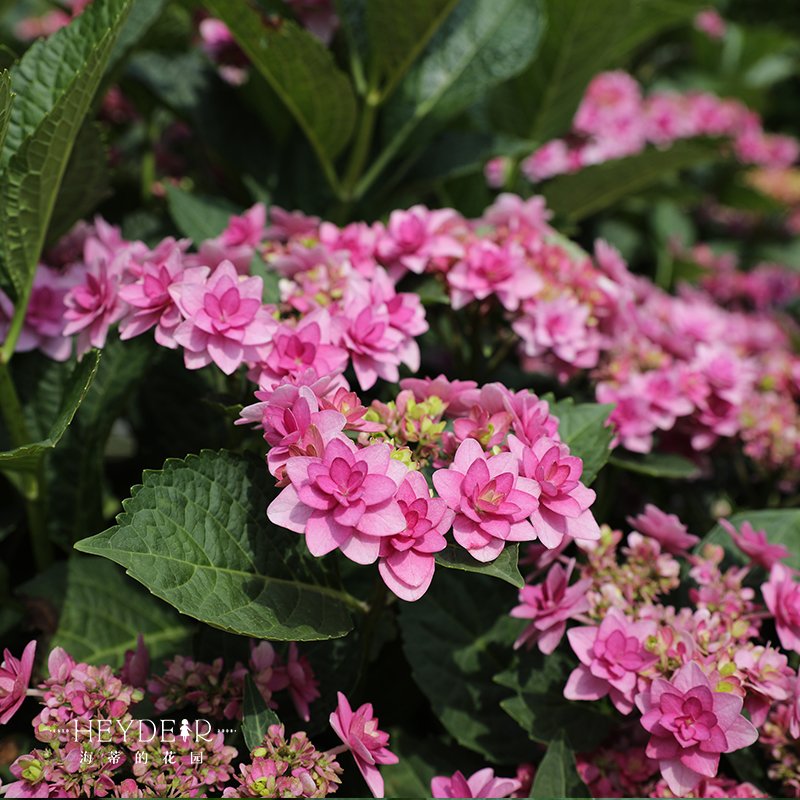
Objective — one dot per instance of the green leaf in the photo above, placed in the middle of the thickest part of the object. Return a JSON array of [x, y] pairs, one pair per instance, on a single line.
[[143, 16], [71, 60], [600, 186], [6, 99], [300, 69], [540, 706], [57, 86], [582, 39], [583, 427], [557, 775], [481, 44], [456, 639], [503, 567], [782, 526], [196, 534], [86, 182], [399, 30], [27, 457], [420, 760], [258, 716], [657, 465], [102, 613], [198, 216]]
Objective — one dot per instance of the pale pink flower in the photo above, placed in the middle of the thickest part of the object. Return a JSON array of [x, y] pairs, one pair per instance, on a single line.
[[550, 604], [406, 559], [302, 684], [94, 305], [710, 23], [136, 669], [496, 170], [345, 499], [512, 212], [15, 674], [225, 321], [481, 784], [767, 677], [458, 396], [491, 500], [754, 544], [782, 596], [288, 224], [359, 731], [246, 229], [666, 529], [564, 501], [611, 657], [551, 159], [690, 725]]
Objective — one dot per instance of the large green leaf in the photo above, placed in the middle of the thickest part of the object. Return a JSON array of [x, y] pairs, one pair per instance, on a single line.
[[86, 182], [258, 716], [101, 613], [456, 639], [143, 16], [657, 465], [300, 69], [399, 30], [196, 534], [503, 567], [557, 775], [68, 60], [55, 91], [540, 706], [583, 39], [782, 526], [597, 187], [26, 458], [197, 216], [583, 427], [480, 44]]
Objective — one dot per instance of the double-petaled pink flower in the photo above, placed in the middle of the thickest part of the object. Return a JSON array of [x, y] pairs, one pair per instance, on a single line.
[[15, 674], [406, 559], [611, 657], [359, 731], [754, 544], [549, 605], [782, 596], [492, 502], [666, 529], [225, 321], [344, 499], [690, 725], [481, 784]]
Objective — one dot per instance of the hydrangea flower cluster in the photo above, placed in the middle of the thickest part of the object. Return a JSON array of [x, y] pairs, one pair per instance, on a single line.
[[614, 120], [691, 673]]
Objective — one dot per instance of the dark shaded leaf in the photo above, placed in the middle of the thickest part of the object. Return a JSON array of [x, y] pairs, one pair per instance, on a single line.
[[557, 775], [503, 567], [197, 216], [657, 465], [583, 428], [258, 716]]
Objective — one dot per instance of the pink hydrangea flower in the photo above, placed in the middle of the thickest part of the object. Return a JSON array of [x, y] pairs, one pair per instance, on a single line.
[[491, 500], [611, 657], [481, 784], [345, 499], [782, 596], [15, 674], [224, 319], [563, 508], [690, 725], [754, 544], [406, 559], [709, 22], [359, 731], [302, 684], [550, 604], [666, 529]]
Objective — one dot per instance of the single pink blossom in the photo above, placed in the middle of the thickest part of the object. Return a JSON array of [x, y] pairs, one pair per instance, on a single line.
[[665, 529], [359, 731], [345, 499], [782, 596], [611, 657], [549, 605], [690, 725], [225, 321], [491, 500], [15, 674], [406, 559], [481, 784], [302, 684], [754, 544]]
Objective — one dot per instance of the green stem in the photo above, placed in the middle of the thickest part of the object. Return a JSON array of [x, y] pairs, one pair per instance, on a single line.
[[17, 321], [377, 602], [31, 483]]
